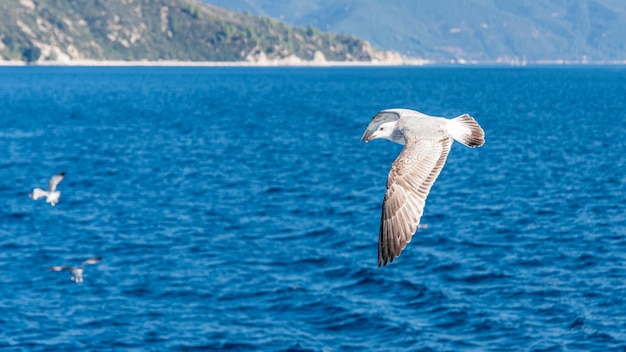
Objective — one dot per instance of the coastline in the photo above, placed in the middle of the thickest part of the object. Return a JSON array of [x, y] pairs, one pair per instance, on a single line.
[[177, 63], [303, 63]]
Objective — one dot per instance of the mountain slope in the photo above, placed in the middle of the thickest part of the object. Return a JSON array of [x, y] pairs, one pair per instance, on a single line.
[[161, 30], [482, 30]]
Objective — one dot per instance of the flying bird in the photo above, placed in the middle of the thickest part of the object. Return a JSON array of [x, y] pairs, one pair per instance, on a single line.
[[427, 141], [52, 195], [77, 272]]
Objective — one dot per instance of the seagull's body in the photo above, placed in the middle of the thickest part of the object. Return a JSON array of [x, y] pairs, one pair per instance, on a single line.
[[77, 272], [427, 141], [52, 195]]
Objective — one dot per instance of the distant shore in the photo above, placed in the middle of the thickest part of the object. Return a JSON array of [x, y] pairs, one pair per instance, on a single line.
[[303, 63], [175, 63]]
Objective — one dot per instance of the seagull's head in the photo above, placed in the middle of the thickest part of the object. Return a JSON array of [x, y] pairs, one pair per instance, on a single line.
[[387, 130]]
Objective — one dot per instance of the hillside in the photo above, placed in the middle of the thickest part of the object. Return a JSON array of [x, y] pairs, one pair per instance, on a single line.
[[471, 30], [185, 30]]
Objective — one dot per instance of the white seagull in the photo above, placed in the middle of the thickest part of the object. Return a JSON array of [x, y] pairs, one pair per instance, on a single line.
[[77, 272], [52, 195], [427, 141]]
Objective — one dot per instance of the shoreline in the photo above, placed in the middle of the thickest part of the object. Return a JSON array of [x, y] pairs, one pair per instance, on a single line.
[[302, 63], [177, 63]]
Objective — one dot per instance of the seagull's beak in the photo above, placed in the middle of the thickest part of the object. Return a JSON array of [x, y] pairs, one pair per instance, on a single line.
[[368, 136]]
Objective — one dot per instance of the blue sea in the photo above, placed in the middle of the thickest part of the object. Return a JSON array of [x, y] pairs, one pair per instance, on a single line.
[[236, 209]]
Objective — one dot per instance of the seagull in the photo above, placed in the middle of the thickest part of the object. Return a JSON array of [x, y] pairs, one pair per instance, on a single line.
[[77, 272], [427, 141], [52, 195]]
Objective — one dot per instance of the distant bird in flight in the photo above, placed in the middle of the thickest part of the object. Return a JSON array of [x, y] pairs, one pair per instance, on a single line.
[[427, 141], [52, 195], [77, 272]]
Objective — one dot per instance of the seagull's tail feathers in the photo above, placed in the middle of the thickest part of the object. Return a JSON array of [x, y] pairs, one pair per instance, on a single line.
[[464, 129], [37, 193]]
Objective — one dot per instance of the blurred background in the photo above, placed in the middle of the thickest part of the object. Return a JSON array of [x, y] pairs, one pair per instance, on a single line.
[[289, 32]]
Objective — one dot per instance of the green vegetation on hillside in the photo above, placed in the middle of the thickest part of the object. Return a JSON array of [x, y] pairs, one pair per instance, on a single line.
[[159, 30]]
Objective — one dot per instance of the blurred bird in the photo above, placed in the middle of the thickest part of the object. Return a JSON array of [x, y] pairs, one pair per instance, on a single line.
[[77, 272], [427, 141], [52, 195]]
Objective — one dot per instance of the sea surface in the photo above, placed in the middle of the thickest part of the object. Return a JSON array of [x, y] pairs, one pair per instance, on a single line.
[[236, 209]]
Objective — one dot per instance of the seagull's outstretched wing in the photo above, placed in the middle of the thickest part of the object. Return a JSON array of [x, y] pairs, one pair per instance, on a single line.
[[60, 268], [37, 193], [91, 261], [377, 120], [54, 181], [409, 181]]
